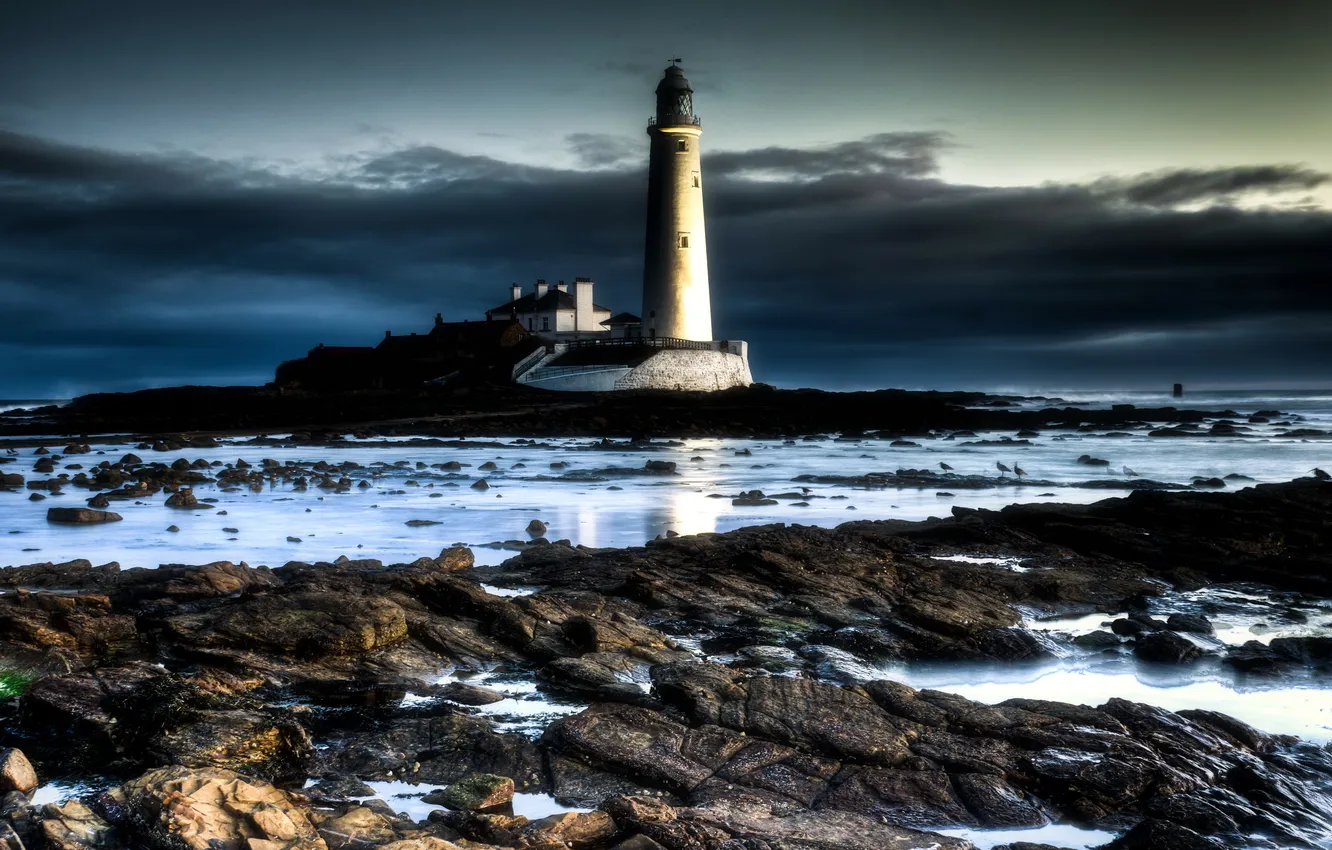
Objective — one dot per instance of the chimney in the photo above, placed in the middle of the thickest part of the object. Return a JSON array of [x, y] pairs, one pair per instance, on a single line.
[[439, 319], [562, 286], [541, 288], [584, 320], [515, 292], [388, 334]]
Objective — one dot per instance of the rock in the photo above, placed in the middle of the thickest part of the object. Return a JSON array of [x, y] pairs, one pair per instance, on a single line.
[[455, 558], [99, 501], [750, 501], [660, 466], [182, 498], [1097, 640], [80, 516], [572, 829], [477, 793], [179, 807], [10, 839], [359, 827], [315, 624], [74, 826], [1255, 657], [339, 788], [416, 523], [274, 749], [480, 484], [440, 749], [536, 528], [173, 528], [1166, 648], [1193, 623], [1154, 834], [1309, 650], [1127, 628], [461, 692], [16, 772], [750, 820]]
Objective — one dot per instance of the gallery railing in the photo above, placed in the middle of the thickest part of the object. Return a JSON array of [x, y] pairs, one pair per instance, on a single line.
[[643, 342]]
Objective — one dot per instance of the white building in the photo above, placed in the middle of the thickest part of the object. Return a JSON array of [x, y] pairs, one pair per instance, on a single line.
[[560, 311]]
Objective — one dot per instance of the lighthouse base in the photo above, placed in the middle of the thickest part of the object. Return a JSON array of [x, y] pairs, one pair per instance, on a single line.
[[649, 364]]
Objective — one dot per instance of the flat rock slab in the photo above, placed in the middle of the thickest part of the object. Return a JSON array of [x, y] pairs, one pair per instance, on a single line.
[[80, 516]]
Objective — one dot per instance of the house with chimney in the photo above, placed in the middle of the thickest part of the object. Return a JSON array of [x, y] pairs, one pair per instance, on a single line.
[[563, 312]]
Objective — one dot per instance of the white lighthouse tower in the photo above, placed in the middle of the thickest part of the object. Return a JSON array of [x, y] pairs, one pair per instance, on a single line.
[[676, 303]]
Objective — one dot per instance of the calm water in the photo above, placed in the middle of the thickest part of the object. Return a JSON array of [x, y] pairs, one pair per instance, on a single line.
[[616, 509]]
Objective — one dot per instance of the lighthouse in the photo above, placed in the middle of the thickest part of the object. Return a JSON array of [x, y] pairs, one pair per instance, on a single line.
[[676, 303], [670, 347]]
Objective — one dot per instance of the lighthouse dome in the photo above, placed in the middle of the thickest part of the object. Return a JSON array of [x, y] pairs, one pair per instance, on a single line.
[[675, 98]]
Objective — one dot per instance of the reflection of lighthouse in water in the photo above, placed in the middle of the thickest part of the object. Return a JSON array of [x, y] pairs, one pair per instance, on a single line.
[[684, 513], [676, 302]]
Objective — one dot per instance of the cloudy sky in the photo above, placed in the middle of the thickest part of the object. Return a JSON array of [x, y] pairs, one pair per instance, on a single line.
[[952, 193]]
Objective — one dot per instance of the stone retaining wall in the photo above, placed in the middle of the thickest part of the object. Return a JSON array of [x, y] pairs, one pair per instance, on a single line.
[[674, 369]]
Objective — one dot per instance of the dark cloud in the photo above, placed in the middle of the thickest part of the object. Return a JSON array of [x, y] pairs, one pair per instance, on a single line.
[[1184, 186], [851, 264], [903, 154], [598, 150]]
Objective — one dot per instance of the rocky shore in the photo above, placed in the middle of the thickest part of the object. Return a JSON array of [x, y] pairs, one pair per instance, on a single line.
[[718, 691]]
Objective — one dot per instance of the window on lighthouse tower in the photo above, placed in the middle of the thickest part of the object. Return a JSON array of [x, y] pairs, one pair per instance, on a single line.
[[681, 145], [684, 240]]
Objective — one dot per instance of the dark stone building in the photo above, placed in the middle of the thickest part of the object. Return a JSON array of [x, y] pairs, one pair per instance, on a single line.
[[450, 351]]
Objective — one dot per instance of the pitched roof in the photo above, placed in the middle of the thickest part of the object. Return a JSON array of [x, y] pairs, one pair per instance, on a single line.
[[623, 319], [529, 303]]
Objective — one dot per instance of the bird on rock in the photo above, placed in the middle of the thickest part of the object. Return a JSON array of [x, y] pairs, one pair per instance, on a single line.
[[945, 467], [1002, 468], [1019, 471], [1320, 474], [1130, 472]]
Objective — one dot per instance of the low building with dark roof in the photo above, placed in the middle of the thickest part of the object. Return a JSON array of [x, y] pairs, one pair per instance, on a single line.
[[555, 312]]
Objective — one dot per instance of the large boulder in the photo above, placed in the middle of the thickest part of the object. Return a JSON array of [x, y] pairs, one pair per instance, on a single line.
[[73, 826], [357, 828], [138, 715], [183, 498], [311, 624], [182, 808], [16, 772]]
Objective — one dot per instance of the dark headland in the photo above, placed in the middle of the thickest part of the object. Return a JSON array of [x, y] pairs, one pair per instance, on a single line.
[[489, 409]]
